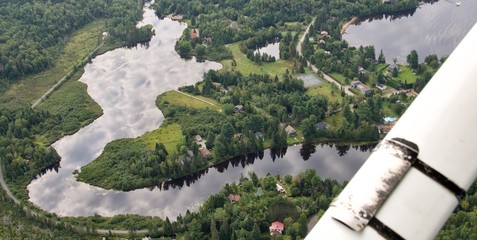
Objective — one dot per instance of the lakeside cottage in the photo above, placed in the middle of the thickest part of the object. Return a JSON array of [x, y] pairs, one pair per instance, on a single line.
[[233, 198], [205, 152], [290, 131], [276, 228]]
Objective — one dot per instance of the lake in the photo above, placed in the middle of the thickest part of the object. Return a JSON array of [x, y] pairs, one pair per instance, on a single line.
[[125, 83], [432, 29]]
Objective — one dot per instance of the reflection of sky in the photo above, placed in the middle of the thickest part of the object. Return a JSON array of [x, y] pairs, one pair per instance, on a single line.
[[125, 83], [272, 49], [433, 29]]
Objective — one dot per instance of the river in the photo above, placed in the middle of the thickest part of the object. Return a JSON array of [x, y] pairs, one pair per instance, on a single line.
[[432, 29], [125, 83]]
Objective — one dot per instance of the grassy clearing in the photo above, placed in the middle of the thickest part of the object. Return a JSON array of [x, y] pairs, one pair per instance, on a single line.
[[338, 77], [169, 135], [30, 88], [406, 75], [245, 66], [326, 89], [176, 98], [334, 120]]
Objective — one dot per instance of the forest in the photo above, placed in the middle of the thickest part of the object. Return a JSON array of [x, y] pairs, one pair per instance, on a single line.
[[33, 33]]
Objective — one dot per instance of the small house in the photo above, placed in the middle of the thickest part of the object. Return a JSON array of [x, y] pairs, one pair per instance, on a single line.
[[322, 125], [216, 84], [198, 138], [194, 35], [233, 198], [381, 86], [276, 228], [260, 136], [208, 40], [280, 188], [290, 131], [391, 67], [205, 152], [365, 90], [324, 33], [354, 84], [238, 109]]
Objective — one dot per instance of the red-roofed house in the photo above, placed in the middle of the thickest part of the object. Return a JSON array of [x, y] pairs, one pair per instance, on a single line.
[[276, 228], [194, 35]]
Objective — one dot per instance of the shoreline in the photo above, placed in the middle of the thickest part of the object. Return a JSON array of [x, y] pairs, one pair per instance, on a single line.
[[349, 23]]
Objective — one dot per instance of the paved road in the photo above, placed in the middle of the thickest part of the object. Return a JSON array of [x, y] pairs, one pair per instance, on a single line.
[[63, 79], [315, 69]]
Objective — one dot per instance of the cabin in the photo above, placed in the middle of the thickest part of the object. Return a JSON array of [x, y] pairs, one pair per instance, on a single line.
[[354, 84], [198, 138], [216, 84], [381, 86], [280, 188], [391, 67], [290, 131], [260, 136], [238, 109], [322, 125], [276, 228], [205, 152], [365, 90], [233, 198]]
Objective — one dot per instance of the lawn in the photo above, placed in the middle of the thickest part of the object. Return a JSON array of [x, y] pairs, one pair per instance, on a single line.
[[169, 135], [406, 75], [179, 99], [326, 89], [334, 120], [338, 77], [25, 91], [245, 66]]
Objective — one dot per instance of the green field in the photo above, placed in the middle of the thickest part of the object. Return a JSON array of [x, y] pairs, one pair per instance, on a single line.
[[30, 88], [406, 75], [338, 77], [245, 66], [326, 89], [179, 99], [169, 135]]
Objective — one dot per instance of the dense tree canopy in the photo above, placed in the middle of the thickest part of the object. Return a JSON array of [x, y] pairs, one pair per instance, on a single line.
[[32, 33]]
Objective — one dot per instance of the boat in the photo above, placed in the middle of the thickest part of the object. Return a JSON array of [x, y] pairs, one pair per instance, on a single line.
[[458, 3]]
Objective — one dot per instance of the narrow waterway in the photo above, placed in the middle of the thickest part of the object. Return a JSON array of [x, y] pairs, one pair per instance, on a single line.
[[125, 83]]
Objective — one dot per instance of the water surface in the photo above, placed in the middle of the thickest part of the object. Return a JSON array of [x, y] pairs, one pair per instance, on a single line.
[[432, 29]]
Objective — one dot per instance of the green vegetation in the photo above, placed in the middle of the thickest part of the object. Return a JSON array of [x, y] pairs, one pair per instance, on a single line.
[[339, 77], [185, 100], [251, 216], [246, 66], [30, 88], [406, 76], [34, 34]]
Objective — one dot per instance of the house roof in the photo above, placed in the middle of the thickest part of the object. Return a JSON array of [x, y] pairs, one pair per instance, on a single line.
[[277, 226], [289, 129], [194, 35], [234, 198], [205, 152], [198, 138], [322, 125]]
